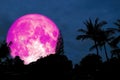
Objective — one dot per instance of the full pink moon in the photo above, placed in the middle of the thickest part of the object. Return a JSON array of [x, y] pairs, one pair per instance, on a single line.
[[33, 36]]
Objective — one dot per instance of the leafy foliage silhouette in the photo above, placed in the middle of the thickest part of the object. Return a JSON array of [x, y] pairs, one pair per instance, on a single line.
[[88, 67], [60, 45], [4, 50]]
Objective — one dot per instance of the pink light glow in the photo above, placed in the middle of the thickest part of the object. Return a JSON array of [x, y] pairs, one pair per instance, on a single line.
[[33, 36]]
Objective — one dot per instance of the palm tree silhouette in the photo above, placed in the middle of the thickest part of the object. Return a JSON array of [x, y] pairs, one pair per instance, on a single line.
[[104, 37], [115, 41], [92, 32]]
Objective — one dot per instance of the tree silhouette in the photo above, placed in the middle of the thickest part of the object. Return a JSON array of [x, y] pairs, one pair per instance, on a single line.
[[116, 40], [60, 45], [54, 66], [116, 53], [92, 32], [117, 23], [4, 50], [59, 67], [104, 37], [88, 67]]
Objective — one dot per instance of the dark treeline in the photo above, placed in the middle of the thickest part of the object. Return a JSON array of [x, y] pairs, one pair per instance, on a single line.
[[59, 67]]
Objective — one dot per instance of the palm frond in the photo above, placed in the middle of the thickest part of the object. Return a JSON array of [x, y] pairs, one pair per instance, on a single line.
[[117, 23], [110, 39], [89, 25], [110, 31], [115, 41], [113, 29], [101, 24], [96, 21], [92, 47], [113, 45], [115, 51], [82, 30], [82, 37]]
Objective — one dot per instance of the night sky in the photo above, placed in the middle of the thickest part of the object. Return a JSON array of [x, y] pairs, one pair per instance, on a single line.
[[68, 16]]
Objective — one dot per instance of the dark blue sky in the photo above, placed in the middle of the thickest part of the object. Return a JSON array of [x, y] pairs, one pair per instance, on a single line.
[[67, 14]]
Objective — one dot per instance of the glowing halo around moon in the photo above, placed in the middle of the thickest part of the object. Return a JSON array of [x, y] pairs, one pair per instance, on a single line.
[[32, 36]]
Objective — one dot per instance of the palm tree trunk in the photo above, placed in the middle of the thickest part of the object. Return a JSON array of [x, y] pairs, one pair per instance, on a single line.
[[96, 47], [106, 52]]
